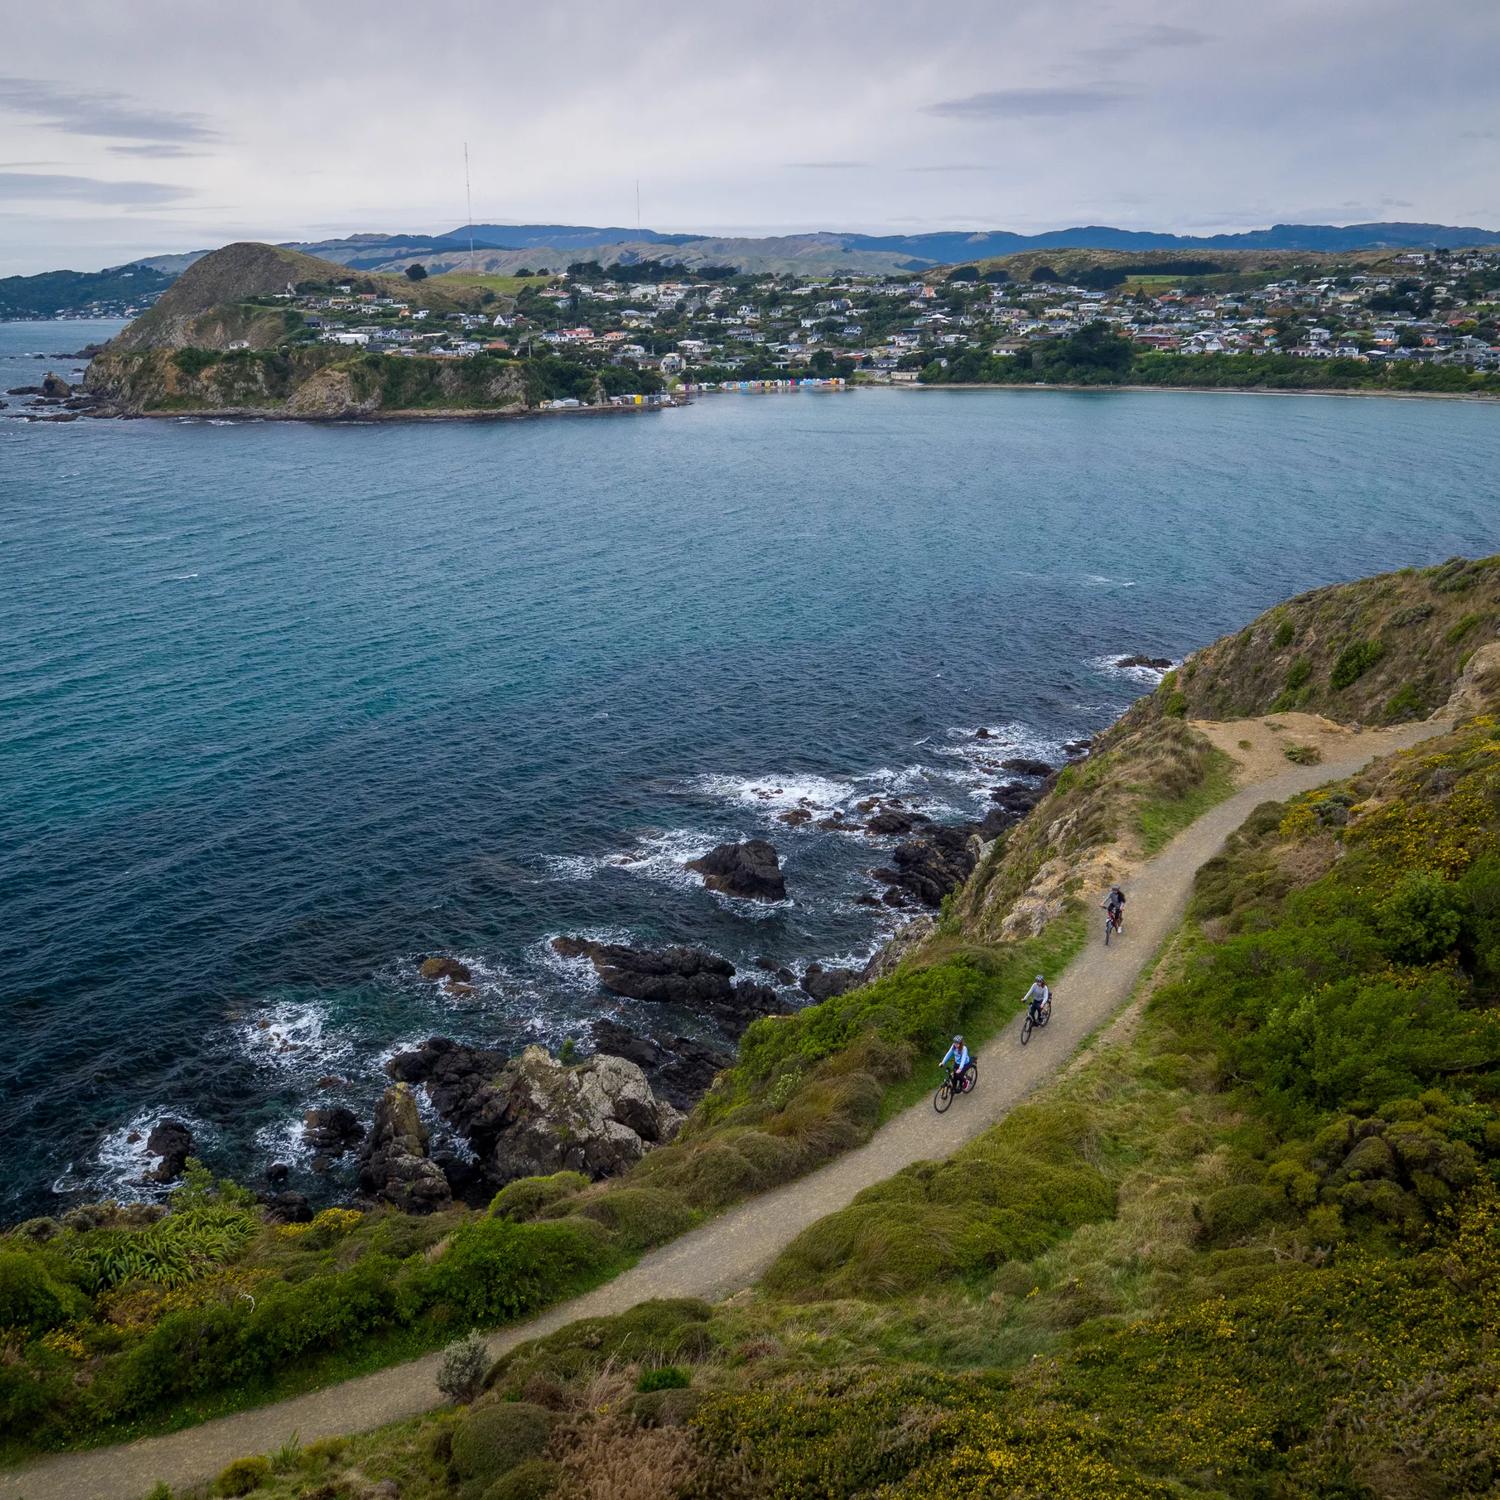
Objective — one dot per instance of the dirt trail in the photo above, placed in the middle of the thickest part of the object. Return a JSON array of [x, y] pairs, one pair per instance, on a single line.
[[731, 1251]]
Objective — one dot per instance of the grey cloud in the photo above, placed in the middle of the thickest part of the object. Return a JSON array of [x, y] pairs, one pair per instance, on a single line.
[[953, 166], [99, 112], [1138, 39], [58, 188], [1030, 103], [155, 151], [828, 166]]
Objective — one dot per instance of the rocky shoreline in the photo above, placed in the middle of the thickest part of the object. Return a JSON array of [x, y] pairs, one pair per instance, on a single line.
[[501, 1117]]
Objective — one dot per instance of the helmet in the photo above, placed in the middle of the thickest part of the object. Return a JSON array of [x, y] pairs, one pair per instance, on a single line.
[[958, 1041], [1041, 979]]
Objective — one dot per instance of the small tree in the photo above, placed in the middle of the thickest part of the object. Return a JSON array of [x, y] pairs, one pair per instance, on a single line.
[[416, 272], [461, 1374]]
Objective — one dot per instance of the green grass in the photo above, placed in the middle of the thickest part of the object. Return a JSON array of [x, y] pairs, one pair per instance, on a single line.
[[502, 286], [1049, 954], [1160, 819]]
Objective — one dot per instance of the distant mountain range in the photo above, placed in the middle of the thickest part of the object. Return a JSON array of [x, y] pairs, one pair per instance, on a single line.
[[506, 248]]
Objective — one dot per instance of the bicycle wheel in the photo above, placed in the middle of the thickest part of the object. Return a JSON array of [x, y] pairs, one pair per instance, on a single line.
[[1026, 1029], [970, 1078], [1109, 928], [943, 1098], [1046, 1014]]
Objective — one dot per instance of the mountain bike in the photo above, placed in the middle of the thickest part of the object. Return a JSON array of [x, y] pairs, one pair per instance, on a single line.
[[956, 1083], [1114, 923], [1042, 1015]]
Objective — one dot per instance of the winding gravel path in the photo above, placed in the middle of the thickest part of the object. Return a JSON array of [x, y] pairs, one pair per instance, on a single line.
[[731, 1251]]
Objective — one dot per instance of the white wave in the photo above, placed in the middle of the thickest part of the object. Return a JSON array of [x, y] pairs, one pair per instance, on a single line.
[[179, 577], [120, 1162], [1103, 581], [289, 1036], [776, 794], [1148, 676], [284, 1141]]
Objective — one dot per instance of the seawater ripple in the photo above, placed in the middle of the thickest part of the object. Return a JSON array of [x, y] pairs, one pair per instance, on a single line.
[[287, 707]]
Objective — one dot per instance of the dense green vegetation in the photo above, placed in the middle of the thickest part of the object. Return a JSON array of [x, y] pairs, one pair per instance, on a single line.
[[1096, 355]]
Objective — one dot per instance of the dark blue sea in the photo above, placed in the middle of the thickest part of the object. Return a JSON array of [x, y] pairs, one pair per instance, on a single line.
[[284, 708]]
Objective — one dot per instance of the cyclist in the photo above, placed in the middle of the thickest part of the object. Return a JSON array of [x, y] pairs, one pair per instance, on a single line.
[[959, 1053], [1037, 997], [1114, 904]]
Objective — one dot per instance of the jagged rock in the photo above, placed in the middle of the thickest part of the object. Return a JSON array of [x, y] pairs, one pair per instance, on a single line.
[[55, 386], [690, 977], [1156, 663], [824, 984], [595, 1118], [445, 968], [981, 733], [837, 823], [794, 817], [24, 390], [1025, 765], [332, 1131], [1015, 799], [1076, 748], [277, 1174], [679, 1069], [287, 1208], [172, 1143], [535, 1115], [672, 976], [750, 870], [937, 861], [995, 822], [458, 1083], [895, 820], [394, 1164]]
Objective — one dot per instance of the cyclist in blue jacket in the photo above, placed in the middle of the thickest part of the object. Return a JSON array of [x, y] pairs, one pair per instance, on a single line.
[[958, 1054]]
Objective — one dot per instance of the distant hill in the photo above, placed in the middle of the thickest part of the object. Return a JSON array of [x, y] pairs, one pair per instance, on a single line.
[[55, 292], [502, 249]]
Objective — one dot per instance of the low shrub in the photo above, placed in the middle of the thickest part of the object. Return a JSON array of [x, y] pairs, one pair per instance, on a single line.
[[667, 1331], [494, 1438], [243, 1477], [31, 1299], [461, 1372], [664, 1378], [526, 1197], [531, 1479], [1353, 662], [639, 1216]]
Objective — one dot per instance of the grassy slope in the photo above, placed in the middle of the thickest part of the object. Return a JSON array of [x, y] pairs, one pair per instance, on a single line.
[[1379, 651], [1252, 1251], [805, 1088]]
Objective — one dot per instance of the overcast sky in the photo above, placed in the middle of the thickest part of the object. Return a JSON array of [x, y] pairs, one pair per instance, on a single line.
[[133, 128]]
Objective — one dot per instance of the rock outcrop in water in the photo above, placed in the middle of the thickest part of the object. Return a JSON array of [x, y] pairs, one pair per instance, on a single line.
[[171, 1142], [532, 1114], [394, 1165], [936, 861], [751, 871], [689, 977]]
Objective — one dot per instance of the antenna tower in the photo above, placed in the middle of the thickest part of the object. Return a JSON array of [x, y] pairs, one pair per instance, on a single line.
[[469, 207]]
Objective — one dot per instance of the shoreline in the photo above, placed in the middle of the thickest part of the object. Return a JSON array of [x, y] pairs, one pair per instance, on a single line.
[[1189, 390], [356, 418]]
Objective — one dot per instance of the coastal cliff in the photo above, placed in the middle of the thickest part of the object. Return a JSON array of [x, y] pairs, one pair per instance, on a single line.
[[234, 336]]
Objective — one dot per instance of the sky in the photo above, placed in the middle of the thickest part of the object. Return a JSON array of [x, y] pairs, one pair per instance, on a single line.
[[161, 125]]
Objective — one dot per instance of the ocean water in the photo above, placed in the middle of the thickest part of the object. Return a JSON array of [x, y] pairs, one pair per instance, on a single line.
[[284, 708]]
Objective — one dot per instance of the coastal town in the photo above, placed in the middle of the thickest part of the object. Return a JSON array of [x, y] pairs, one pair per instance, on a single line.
[[713, 328]]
